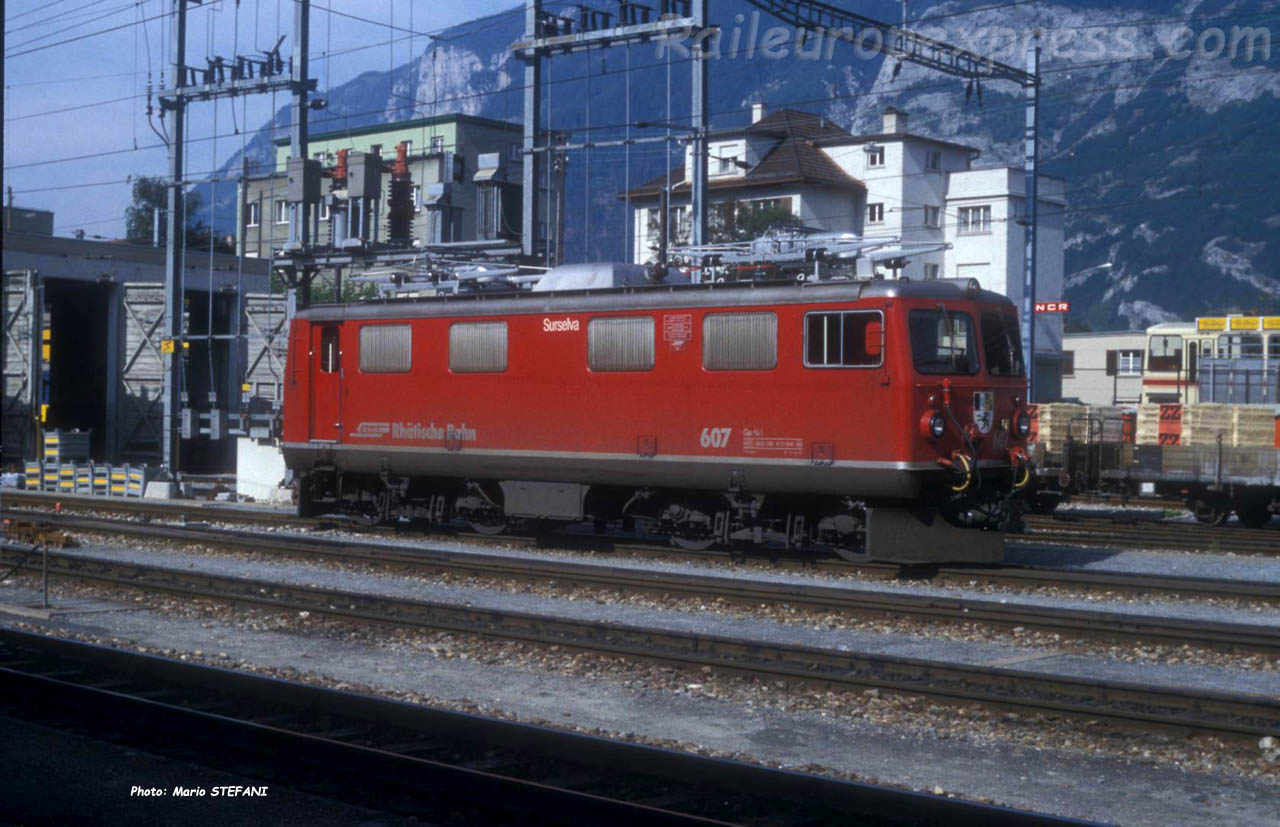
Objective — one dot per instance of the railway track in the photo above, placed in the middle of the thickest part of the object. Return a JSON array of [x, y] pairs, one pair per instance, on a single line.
[[1018, 577], [437, 765], [1121, 531], [1240, 717], [1128, 531], [1113, 626]]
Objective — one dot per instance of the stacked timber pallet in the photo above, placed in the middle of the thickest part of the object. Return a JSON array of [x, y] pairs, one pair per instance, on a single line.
[[1204, 423], [1053, 422], [1252, 426], [1159, 424]]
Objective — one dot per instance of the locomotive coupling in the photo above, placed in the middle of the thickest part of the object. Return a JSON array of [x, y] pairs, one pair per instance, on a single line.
[[962, 469], [1021, 468]]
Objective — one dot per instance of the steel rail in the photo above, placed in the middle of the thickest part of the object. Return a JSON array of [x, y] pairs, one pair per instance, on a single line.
[[1130, 532], [1020, 576], [1090, 623], [1058, 529], [461, 757], [1241, 717]]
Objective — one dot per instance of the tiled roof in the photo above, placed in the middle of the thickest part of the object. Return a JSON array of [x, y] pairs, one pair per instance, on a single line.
[[794, 159], [800, 124]]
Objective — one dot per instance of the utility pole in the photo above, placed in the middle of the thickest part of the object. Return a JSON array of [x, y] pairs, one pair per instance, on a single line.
[[298, 108], [248, 75], [698, 192], [176, 104], [1031, 213], [532, 122]]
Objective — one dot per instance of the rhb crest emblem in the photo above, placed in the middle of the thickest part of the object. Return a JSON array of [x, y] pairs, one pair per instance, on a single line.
[[984, 411]]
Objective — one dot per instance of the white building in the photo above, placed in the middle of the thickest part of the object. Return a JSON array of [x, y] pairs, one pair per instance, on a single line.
[[894, 184], [1103, 368]]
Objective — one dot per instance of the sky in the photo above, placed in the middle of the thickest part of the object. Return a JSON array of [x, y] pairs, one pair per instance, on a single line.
[[76, 75]]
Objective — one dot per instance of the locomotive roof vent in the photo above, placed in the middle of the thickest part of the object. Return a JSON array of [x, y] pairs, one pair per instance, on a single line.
[[604, 274]]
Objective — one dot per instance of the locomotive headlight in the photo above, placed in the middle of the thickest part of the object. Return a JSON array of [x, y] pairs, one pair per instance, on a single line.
[[1022, 421], [933, 425]]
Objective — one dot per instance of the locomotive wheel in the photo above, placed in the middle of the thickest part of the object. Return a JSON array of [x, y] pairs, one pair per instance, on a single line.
[[692, 543], [1254, 512], [845, 534], [497, 524], [1208, 509]]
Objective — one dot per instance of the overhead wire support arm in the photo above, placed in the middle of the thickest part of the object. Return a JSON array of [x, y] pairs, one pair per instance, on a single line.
[[895, 41]]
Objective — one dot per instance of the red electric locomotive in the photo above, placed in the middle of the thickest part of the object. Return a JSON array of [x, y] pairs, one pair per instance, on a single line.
[[882, 419]]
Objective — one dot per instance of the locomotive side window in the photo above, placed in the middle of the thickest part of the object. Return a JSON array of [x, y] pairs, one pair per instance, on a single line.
[[329, 350], [386, 348], [843, 340], [620, 344], [943, 341], [740, 341], [478, 347], [1002, 344]]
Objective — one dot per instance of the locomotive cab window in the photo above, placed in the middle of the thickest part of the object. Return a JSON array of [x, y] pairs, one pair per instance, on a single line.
[[1003, 346], [329, 355], [844, 340], [386, 348], [478, 347], [620, 344], [739, 341], [943, 341]]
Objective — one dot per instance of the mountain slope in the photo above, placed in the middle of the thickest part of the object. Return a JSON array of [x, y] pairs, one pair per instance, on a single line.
[[1169, 160]]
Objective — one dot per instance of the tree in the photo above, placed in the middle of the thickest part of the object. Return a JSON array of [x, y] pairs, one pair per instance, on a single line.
[[151, 194], [744, 221]]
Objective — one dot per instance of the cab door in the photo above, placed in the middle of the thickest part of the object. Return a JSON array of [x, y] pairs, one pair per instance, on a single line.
[[326, 382]]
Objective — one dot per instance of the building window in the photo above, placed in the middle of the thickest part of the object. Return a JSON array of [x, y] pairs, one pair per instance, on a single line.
[[281, 211], [437, 143], [975, 220], [770, 204], [875, 213], [1068, 363], [740, 341], [727, 164], [253, 214], [932, 216], [386, 348], [934, 161], [620, 344], [1124, 363], [875, 156], [931, 271], [844, 340], [478, 347]]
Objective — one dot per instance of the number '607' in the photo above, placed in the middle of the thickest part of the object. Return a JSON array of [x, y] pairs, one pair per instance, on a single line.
[[715, 437]]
